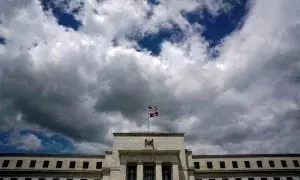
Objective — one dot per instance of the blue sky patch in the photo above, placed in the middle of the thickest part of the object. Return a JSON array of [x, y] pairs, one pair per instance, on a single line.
[[2, 40], [63, 18]]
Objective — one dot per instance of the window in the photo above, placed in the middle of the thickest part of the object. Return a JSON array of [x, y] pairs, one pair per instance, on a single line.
[[264, 178], [272, 164], [211, 179], [234, 164], [224, 179], [250, 178], [238, 178], [289, 178], [27, 178], [19, 163], [72, 164], [196, 165], [99, 165], [32, 163], [296, 163], [85, 164], [45, 164], [41, 178], [283, 163], [58, 164], [13, 178], [82, 179], [5, 163], [247, 164], [259, 164], [276, 178], [55, 179], [69, 179], [222, 164], [209, 165]]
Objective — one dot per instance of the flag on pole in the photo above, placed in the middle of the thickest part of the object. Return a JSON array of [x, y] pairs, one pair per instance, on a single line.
[[152, 111]]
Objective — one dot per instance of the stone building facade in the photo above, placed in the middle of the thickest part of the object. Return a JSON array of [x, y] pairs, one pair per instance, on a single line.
[[149, 156]]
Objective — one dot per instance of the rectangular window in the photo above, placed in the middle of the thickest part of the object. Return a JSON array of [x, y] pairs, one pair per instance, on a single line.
[[27, 178], [131, 172], [58, 164], [283, 163], [259, 164], [32, 163], [296, 163], [238, 178], [19, 163], [196, 165], [85, 165], [72, 164], [41, 178], [209, 165], [13, 178], [289, 178], [264, 178], [234, 164], [276, 178], [272, 164], [250, 178], [99, 165], [247, 164], [45, 164], [5, 163], [222, 164], [83, 179], [55, 179]]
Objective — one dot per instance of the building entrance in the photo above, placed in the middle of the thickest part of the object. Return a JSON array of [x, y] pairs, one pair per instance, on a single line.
[[149, 172]]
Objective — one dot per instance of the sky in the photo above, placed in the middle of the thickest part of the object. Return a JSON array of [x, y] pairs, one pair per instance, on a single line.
[[225, 73]]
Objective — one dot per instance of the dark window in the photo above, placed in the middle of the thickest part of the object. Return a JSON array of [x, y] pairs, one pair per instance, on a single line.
[[209, 165], [250, 178], [41, 178], [1, 178], [211, 179], [289, 178], [55, 179], [131, 172], [238, 178], [13, 178], [196, 165], [58, 164], [283, 163], [259, 164], [5, 163], [296, 163], [19, 163], [272, 164], [45, 164], [247, 164], [222, 164], [85, 164], [72, 164], [32, 163], [82, 179], [234, 164], [264, 178], [276, 178], [99, 165], [27, 178]]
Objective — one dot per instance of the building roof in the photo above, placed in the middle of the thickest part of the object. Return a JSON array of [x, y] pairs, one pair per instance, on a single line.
[[165, 134], [51, 155], [245, 155]]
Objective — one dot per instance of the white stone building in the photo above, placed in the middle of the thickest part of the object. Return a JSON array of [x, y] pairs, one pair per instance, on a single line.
[[149, 156]]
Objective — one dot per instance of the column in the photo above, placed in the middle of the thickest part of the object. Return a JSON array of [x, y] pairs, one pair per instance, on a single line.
[[158, 171], [139, 171], [175, 171], [123, 171]]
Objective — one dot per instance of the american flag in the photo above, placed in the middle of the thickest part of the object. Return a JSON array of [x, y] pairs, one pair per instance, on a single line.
[[152, 111]]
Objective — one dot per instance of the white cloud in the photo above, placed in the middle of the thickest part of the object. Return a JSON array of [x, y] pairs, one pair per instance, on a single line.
[[77, 83], [25, 141]]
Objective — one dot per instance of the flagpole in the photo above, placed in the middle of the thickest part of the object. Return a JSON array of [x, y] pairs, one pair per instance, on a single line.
[[148, 119]]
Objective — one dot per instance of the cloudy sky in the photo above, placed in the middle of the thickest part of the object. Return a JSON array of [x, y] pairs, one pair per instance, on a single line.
[[226, 73]]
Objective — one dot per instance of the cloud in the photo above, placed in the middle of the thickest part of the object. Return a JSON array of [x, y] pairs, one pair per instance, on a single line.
[[25, 141], [81, 85]]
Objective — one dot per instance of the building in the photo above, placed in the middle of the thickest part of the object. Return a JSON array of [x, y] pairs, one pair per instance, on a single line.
[[149, 156]]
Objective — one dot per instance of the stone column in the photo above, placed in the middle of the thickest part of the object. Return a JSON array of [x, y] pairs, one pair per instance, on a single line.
[[139, 170], [158, 171], [123, 171], [175, 171]]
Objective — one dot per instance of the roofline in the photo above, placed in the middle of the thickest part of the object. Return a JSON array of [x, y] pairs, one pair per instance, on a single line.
[[51, 155], [246, 155], [164, 134]]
